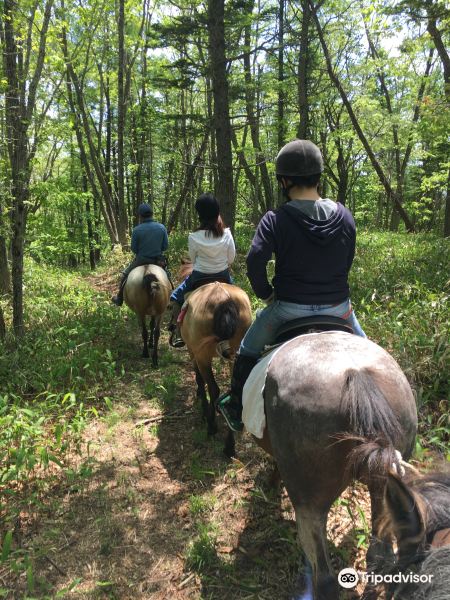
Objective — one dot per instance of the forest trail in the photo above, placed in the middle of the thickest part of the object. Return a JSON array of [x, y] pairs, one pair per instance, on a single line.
[[160, 513]]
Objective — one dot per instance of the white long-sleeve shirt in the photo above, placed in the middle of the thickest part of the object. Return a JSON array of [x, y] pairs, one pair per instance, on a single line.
[[210, 254]]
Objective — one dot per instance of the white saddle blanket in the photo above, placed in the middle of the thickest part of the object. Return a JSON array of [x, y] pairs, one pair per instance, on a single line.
[[253, 415]]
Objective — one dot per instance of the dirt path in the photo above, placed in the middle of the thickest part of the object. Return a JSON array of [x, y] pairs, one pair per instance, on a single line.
[[161, 514]]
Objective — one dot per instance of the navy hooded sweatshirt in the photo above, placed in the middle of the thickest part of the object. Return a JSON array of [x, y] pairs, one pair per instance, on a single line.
[[312, 258]]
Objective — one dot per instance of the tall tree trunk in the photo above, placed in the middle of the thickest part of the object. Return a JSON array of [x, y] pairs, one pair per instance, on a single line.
[[99, 167], [5, 277], [90, 228], [445, 58], [21, 91], [188, 183], [253, 121], [303, 105], [121, 116], [221, 121], [281, 99], [447, 209], [104, 202]]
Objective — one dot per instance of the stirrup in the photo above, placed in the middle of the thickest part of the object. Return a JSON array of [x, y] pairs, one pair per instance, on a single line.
[[223, 399], [233, 423], [222, 406], [176, 342]]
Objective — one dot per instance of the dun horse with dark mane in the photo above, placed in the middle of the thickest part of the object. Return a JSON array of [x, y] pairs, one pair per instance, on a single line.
[[216, 312], [147, 293]]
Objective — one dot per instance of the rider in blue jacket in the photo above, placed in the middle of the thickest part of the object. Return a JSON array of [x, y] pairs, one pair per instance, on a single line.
[[313, 240], [148, 242]]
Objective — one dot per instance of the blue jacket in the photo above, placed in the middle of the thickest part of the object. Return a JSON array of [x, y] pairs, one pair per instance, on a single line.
[[312, 258], [149, 239]]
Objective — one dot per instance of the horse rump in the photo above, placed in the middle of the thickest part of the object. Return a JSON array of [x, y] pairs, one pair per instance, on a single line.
[[225, 319]]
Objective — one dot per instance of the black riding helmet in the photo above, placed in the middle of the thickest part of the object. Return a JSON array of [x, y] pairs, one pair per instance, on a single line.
[[207, 207], [299, 158], [145, 210]]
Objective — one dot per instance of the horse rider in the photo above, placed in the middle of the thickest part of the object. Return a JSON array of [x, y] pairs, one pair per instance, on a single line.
[[148, 242], [313, 240], [211, 250]]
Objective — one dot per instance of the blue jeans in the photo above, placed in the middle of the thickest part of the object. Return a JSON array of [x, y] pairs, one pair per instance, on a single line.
[[187, 285], [264, 328]]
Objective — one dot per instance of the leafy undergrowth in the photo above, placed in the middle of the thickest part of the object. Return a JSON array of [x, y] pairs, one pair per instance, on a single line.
[[103, 458]]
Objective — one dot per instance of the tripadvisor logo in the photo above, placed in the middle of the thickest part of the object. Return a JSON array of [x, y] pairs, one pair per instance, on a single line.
[[348, 578]]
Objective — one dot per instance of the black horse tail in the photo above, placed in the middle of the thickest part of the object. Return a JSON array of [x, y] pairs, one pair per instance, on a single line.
[[372, 457], [225, 319], [369, 411], [150, 283], [375, 430]]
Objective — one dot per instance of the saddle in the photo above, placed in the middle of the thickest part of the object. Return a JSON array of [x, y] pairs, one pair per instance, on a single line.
[[296, 327], [207, 280]]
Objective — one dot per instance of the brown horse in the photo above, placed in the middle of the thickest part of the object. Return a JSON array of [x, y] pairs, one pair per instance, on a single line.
[[147, 292], [217, 312], [322, 391], [417, 514]]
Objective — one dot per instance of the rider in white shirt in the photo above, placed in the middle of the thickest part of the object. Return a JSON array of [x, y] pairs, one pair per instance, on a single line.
[[211, 250]]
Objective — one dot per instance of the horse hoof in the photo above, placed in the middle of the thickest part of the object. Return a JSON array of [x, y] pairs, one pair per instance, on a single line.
[[212, 431], [229, 453]]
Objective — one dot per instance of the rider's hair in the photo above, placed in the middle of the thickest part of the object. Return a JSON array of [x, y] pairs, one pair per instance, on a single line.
[[214, 227], [302, 180]]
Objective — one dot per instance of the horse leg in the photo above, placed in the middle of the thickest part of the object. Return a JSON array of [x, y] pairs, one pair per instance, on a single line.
[[209, 410], [155, 331], [152, 333], [201, 392], [230, 446], [311, 527], [144, 337]]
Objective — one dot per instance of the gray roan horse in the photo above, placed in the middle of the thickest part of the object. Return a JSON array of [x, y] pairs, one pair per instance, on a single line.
[[319, 388], [147, 292]]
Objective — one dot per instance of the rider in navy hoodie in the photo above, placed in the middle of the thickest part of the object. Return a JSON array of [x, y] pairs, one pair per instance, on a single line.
[[313, 240], [148, 242]]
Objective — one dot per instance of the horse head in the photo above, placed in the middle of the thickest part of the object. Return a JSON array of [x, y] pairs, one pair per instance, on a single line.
[[417, 514]]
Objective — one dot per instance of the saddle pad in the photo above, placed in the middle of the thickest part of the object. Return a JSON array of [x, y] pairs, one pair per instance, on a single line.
[[253, 415]]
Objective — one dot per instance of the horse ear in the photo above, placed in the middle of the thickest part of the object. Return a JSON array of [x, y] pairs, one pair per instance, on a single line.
[[407, 515]]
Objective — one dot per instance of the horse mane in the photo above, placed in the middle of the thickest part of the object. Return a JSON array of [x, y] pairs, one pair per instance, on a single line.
[[434, 489], [187, 266]]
